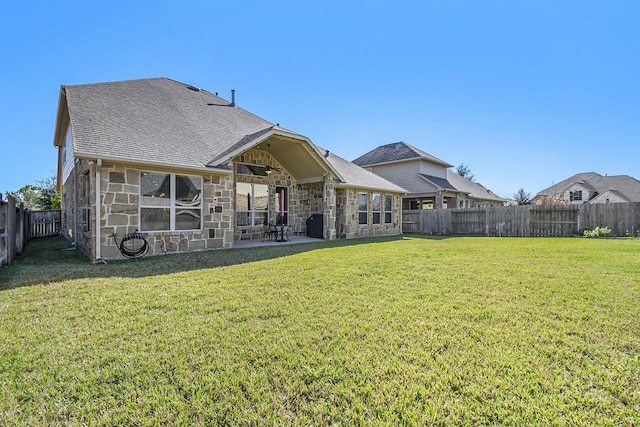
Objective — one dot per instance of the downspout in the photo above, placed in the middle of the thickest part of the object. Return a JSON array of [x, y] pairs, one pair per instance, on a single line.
[[325, 211], [75, 202], [400, 210], [98, 254]]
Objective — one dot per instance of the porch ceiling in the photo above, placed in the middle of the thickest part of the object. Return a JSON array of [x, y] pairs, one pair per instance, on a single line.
[[296, 157]]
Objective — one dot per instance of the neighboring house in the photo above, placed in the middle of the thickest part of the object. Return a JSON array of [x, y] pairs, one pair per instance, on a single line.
[[591, 187], [192, 171], [473, 194], [429, 182]]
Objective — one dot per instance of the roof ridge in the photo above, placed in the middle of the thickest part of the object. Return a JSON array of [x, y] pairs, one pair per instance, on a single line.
[[121, 81]]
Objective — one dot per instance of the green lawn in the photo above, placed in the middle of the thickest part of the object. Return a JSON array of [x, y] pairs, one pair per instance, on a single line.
[[413, 331]]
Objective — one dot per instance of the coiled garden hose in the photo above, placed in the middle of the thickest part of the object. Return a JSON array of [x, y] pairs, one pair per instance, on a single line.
[[133, 245]]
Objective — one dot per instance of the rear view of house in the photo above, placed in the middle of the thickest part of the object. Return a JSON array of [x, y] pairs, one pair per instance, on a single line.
[[193, 171]]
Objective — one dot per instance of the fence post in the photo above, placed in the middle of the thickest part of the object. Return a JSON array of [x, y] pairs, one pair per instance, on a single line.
[[11, 229], [20, 236], [3, 233]]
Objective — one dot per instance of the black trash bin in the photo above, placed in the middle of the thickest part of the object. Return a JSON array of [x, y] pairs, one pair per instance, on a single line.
[[314, 226]]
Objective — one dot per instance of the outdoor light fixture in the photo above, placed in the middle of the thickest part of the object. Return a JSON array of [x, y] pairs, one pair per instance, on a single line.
[[268, 169]]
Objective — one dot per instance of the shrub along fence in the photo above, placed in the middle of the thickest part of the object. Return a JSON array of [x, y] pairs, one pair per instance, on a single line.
[[18, 226], [523, 221]]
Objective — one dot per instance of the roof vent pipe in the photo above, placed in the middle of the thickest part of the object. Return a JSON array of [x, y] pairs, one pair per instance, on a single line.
[[233, 97]]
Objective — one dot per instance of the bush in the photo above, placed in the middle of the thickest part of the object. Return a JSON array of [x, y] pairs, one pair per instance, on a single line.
[[597, 232]]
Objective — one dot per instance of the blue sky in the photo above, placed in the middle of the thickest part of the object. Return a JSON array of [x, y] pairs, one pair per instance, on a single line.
[[524, 93]]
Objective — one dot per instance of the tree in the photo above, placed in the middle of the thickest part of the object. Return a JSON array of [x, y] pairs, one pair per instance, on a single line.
[[555, 199], [465, 172], [50, 198], [522, 197], [29, 196], [37, 197]]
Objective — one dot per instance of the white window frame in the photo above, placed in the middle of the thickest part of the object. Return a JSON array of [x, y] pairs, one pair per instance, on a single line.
[[86, 207], [254, 220], [255, 170], [285, 213], [388, 211], [174, 206], [366, 204], [374, 210]]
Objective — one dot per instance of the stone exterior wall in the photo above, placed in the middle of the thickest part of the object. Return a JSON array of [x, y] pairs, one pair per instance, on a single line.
[[347, 220], [78, 194], [119, 214], [120, 197], [312, 196], [330, 208], [304, 199], [338, 206]]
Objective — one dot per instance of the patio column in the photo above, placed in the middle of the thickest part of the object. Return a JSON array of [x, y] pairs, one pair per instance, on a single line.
[[329, 208], [439, 200]]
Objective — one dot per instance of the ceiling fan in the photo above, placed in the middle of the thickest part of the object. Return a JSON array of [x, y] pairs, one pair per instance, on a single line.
[[268, 169]]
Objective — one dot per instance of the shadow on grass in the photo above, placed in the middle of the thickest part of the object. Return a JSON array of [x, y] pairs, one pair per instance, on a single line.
[[54, 259], [431, 236]]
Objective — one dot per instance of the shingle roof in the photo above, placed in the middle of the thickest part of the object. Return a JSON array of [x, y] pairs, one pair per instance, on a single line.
[[395, 152], [439, 182], [628, 187], [474, 189], [155, 120], [624, 185], [163, 121], [357, 177], [563, 185]]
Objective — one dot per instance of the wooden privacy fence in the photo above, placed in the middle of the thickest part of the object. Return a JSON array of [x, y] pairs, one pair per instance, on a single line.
[[522, 221], [44, 223], [12, 230], [18, 226]]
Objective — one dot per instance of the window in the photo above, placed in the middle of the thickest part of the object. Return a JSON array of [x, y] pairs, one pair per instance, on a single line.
[[170, 202], [245, 169], [575, 195], [252, 202], [363, 209], [376, 206], [86, 204], [281, 203], [388, 208], [67, 155]]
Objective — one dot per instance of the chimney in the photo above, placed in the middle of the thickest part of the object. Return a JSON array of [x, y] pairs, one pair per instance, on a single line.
[[233, 98]]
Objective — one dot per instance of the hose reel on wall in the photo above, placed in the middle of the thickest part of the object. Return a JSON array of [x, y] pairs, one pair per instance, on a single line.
[[133, 245]]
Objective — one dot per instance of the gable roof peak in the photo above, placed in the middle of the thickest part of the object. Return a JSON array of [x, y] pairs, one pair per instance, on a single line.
[[136, 120], [396, 152]]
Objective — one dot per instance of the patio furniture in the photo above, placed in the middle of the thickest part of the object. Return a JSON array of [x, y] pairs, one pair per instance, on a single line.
[[270, 232], [283, 230]]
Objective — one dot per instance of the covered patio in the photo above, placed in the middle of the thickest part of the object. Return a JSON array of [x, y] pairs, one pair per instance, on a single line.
[[281, 179], [293, 240]]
